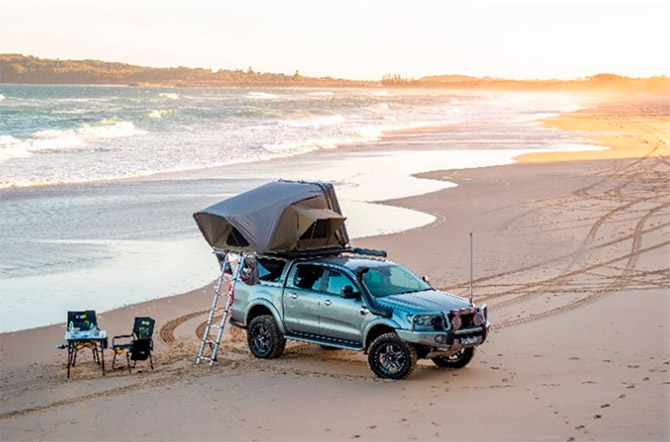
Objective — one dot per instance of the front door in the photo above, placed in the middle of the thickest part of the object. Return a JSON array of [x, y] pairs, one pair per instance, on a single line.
[[301, 298], [341, 318]]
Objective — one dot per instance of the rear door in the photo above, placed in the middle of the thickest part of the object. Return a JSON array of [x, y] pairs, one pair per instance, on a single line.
[[341, 318], [301, 298]]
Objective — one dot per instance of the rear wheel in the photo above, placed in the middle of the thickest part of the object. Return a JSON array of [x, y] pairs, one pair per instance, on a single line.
[[265, 339], [391, 358], [457, 360]]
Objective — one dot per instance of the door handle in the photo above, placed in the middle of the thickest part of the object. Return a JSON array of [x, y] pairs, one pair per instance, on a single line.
[[293, 295], [328, 302], [364, 310]]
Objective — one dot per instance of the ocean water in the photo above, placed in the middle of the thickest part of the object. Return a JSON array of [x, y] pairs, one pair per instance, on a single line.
[[75, 134], [73, 235]]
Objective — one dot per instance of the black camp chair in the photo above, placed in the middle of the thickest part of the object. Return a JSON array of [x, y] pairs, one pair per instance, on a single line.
[[140, 346]]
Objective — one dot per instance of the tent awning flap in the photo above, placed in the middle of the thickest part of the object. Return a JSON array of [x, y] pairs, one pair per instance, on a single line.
[[283, 216]]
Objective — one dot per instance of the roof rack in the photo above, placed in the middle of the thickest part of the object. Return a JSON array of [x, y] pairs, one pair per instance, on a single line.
[[331, 252]]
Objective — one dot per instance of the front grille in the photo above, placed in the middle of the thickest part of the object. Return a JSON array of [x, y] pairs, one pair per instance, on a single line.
[[466, 314], [467, 321]]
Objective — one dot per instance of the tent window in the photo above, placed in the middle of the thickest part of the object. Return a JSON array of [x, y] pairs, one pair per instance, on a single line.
[[236, 239], [318, 229]]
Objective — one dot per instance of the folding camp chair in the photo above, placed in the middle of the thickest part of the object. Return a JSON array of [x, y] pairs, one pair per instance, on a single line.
[[140, 346]]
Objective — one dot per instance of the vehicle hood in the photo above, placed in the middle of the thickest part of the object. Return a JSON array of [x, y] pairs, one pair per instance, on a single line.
[[427, 301]]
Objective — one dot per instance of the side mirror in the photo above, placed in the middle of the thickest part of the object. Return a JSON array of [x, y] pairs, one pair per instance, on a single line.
[[426, 279], [348, 292]]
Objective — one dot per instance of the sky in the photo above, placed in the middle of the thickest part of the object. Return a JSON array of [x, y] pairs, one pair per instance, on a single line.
[[511, 39]]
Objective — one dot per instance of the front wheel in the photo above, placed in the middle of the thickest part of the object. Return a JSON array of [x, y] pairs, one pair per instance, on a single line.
[[391, 358], [264, 338], [457, 360]]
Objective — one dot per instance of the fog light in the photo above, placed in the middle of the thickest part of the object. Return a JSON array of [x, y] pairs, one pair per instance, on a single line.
[[440, 339], [478, 319]]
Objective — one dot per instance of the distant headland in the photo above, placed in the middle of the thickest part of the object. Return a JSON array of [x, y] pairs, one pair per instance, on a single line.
[[21, 69]]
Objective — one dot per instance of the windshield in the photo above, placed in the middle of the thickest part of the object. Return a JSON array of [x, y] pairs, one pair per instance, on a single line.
[[392, 279]]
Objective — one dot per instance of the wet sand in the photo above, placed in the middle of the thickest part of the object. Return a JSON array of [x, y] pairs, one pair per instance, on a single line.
[[571, 254]]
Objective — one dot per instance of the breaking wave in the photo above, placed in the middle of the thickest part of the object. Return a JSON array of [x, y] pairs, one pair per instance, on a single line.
[[169, 95], [52, 140], [157, 114], [261, 96], [328, 120], [2, 97]]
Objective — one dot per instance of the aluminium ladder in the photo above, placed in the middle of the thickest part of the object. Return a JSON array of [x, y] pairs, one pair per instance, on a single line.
[[224, 263]]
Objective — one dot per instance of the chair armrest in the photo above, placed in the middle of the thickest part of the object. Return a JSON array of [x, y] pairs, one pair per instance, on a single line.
[[120, 337]]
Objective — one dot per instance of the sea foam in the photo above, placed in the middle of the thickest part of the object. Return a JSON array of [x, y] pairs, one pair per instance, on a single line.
[[261, 96], [157, 114], [54, 140]]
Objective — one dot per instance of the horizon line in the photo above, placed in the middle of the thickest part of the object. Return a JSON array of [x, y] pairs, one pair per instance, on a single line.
[[412, 78]]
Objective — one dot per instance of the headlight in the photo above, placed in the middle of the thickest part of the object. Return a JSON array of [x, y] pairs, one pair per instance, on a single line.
[[428, 322]]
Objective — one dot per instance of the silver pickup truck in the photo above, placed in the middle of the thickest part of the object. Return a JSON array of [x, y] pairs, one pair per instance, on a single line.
[[359, 303]]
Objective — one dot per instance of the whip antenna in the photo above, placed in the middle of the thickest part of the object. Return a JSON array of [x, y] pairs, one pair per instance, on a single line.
[[471, 303]]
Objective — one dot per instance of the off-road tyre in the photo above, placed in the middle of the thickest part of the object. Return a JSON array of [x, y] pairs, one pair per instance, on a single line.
[[459, 360], [391, 358], [264, 338]]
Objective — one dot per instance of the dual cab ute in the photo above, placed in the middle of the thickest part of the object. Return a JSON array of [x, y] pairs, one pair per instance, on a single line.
[[297, 277], [356, 302]]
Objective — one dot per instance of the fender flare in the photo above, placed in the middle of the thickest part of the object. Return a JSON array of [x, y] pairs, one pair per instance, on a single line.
[[270, 306], [379, 321]]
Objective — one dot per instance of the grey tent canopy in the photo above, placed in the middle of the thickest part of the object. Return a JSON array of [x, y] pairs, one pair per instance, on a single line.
[[278, 217]]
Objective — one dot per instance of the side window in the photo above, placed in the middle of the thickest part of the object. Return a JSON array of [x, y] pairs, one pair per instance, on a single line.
[[337, 280], [308, 277], [270, 270]]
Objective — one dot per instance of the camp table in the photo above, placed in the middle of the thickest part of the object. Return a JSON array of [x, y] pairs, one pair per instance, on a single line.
[[96, 340]]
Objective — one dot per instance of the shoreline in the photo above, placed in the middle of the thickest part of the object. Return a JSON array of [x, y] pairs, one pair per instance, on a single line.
[[370, 207], [365, 176], [574, 122]]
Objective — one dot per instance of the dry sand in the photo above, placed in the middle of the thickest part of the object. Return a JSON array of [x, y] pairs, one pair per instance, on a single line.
[[572, 257]]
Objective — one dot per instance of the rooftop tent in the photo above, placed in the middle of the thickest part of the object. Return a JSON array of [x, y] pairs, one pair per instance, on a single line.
[[283, 216]]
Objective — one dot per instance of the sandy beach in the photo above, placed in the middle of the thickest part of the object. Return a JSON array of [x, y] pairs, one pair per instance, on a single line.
[[572, 255]]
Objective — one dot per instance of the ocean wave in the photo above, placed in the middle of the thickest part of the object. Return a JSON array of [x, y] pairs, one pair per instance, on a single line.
[[289, 148], [71, 111], [327, 120], [381, 94], [2, 97], [321, 94], [380, 106], [74, 100], [261, 96], [169, 95], [11, 147], [157, 114], [58, 140]]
